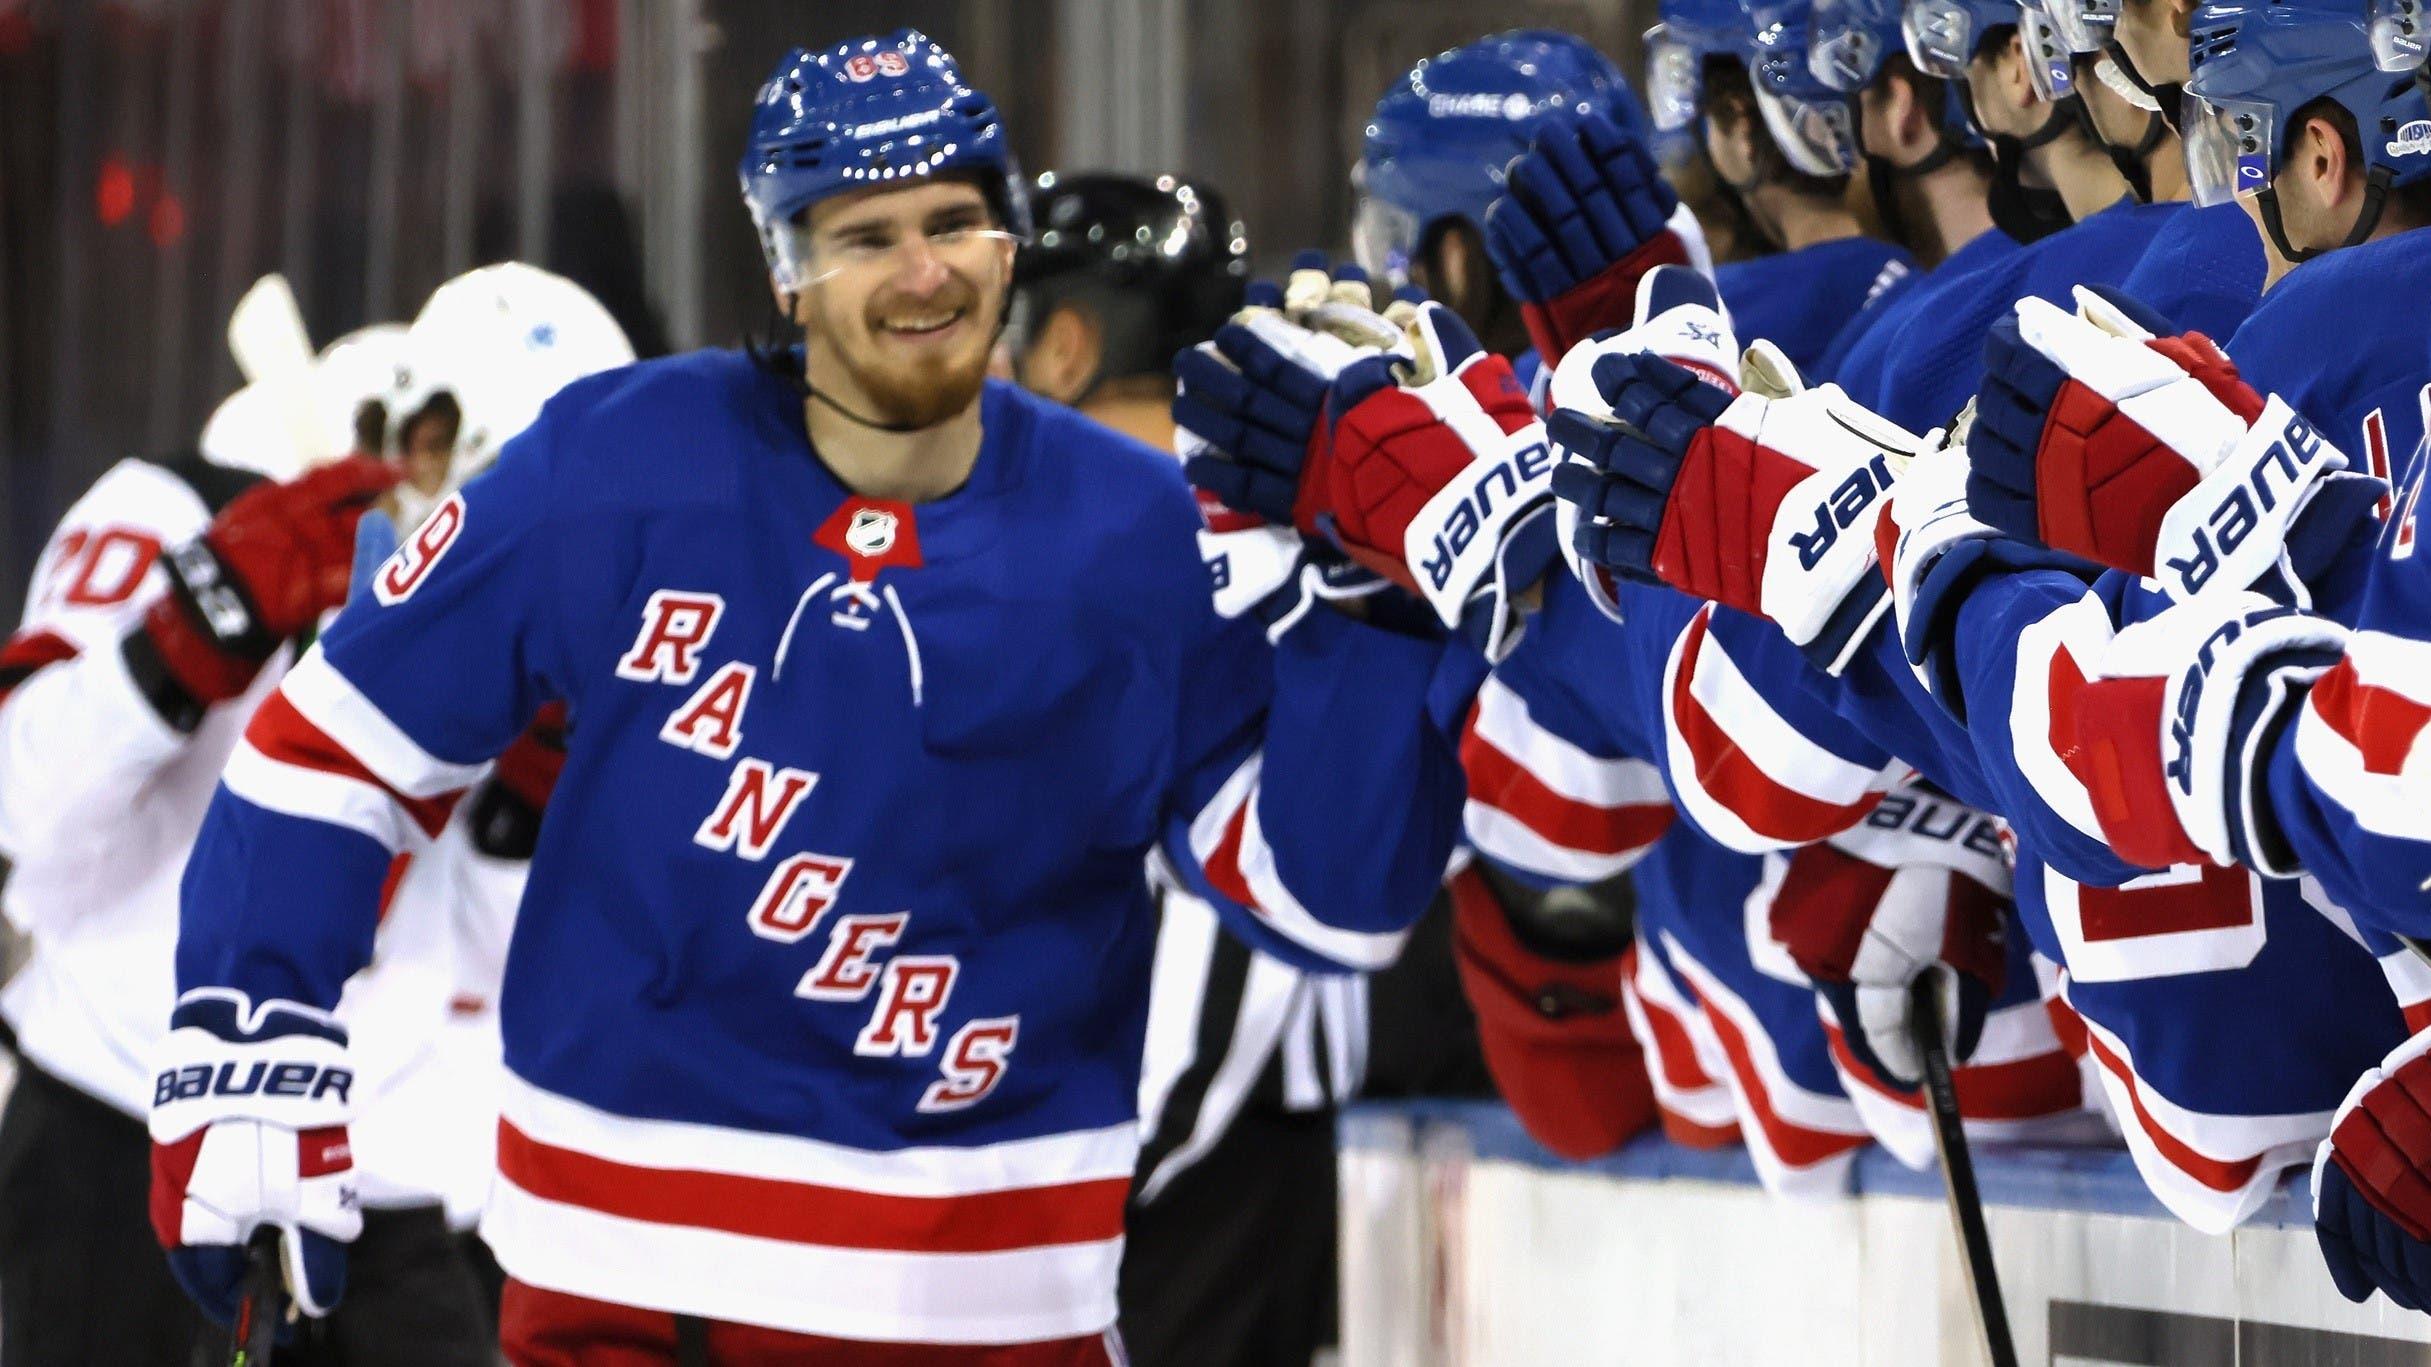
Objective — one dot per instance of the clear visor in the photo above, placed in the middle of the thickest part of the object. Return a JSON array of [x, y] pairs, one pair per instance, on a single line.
[[1384, 237], [2228, 147], [2049, 63], [1672, 82], [1816, 136], [2396, 31], [1940, 37], [1842, 52], [2082, 25]]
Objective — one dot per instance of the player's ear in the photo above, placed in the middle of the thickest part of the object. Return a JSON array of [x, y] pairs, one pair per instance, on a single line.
[[2318, 161], [1064, 353]]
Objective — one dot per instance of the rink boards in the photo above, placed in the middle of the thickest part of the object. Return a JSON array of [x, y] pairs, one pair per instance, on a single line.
[[1465, 1243]]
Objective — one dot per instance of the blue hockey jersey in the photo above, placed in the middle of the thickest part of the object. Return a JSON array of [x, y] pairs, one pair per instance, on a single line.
[[1921, 374], [1799, 301], [2206, 263], [824, 1006], [2347, 780], [1575, 776]]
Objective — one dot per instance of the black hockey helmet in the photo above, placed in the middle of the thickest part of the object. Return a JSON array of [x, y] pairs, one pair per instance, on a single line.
[[1169, 242]]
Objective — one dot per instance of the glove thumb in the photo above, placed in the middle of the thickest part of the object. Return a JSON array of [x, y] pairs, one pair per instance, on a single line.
[[1767, 374], [2121, 314], [1440, 343]]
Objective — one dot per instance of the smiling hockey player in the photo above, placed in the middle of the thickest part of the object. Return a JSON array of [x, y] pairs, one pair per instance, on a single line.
[[823, 1009]]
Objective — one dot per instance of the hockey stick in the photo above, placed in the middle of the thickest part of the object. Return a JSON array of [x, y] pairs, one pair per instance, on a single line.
[[264, 1303], [1958, 1172]]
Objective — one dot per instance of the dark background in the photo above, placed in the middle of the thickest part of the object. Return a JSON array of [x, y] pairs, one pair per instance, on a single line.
[[158, 155]]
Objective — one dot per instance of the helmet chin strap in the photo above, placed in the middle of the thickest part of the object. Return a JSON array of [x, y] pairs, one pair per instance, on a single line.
[[2375, 198], [2169, 96]]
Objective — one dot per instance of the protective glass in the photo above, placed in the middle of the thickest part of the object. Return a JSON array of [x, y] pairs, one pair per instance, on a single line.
[[2228, 146], [964, 251], [1843, 51], [1673, 82], [2049, 63], [2083, 25], [1818, 137], [2396, 31], [1384, 239], [1941, 37]]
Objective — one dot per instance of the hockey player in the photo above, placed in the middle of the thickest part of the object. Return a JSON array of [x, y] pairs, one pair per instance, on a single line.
[[2052, 169], [1786, 146], [823, 1008], [162, 614], [1434, 162], [1929, 176]]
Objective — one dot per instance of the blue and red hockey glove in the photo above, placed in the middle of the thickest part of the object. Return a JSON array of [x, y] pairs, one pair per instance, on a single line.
[[2102, 434], [249, 1130], [1585, 214], [2372, 1182], [1922, 886], [1425, 465], [1765, 502], [2173, 729]]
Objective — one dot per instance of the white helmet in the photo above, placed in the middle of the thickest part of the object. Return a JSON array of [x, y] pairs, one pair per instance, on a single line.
[[499, 341], [358, 368], [296, 410]]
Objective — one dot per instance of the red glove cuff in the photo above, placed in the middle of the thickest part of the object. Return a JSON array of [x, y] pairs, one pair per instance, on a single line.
[[1607, 299]]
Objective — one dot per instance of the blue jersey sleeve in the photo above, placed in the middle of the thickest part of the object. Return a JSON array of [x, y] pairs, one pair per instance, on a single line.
[[1318, 795], [361, 753], [1558, 792], [2346, 777]]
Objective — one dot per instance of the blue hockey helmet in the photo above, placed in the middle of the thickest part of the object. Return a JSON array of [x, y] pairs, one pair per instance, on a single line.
[[1812, 122], [1677, 48], [871, 111], [1439, 140], [2257, 65], [1943, 36]]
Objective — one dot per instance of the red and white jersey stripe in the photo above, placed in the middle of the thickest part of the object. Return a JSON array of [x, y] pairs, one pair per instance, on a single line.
[[2212, 1171], [317, 748], [1753, 779], [999, 1243], [1231, 848], [1543, 805]]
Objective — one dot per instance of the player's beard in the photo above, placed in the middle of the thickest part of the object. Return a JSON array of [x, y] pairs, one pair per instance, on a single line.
[[906, 394]]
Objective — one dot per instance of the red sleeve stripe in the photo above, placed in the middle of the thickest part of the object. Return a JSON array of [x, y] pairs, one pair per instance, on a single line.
[[27, 652], [808, 1213], [291, 765], [1507, 785], [2381, 723], [1725, 788], [1232, 852]]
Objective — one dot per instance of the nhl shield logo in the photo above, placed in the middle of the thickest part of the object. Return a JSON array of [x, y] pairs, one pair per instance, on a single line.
[[871, 532]]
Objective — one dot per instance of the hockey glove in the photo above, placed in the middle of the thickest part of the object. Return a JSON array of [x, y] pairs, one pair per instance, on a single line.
[[1248, 481], [264, 571], [1933, 549], [1678, 317], [2372, 1182], [2100, 436], [249, 1117], [1435, 475], [1765, 503], [1922, 886], [2174, 729], [1584, 215], [1549, 1016]]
